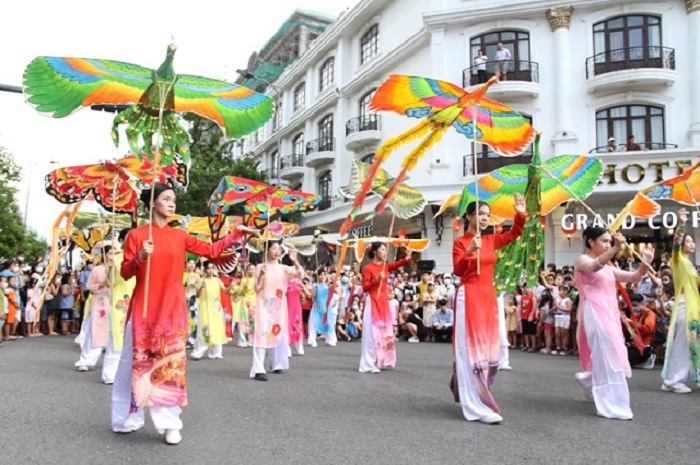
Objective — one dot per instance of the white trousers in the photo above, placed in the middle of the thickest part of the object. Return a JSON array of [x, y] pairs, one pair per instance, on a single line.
[[215, 351], [677, 367], [89, 355], [296, 348], [242, 341], [278, 357], [163, 418], [608, 386], [473, 408], [504, 359], [331, 335], [368, 356], [311, 328]]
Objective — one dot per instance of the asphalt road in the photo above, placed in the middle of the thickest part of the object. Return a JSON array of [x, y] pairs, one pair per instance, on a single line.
[[325, 412]]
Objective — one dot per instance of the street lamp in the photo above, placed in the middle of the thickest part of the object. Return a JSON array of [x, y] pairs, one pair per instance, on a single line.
[[29, 188], [278, 96], [317, 235]]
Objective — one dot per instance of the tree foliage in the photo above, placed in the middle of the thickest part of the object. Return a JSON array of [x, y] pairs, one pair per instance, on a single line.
[[211, 160], [14, 236]]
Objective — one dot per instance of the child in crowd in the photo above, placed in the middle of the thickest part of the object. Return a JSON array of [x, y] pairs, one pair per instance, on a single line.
[[547, 320], [394, 309], [562, 319], [527, 315], [511, 322]]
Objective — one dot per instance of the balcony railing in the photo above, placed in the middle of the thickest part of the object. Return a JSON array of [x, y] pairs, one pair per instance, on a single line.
[[630, 58], [290, 161], [643, 146], [370, 122], [320, 145], [492, 161], [516, 70], [325, 204], [271, 174]]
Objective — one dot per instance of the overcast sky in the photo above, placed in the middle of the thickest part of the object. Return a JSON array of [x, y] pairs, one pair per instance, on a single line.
[[214, 38]]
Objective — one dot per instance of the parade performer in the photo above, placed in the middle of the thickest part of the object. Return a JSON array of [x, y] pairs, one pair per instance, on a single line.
[[296, 323], [121, 296], [682, 348], [151, 369], [271, 281], [97, 318], [319, 309], [211, 321], [227, 304], [600, 340], [249, 298], [190, 279], [378, 343], [476, 338]]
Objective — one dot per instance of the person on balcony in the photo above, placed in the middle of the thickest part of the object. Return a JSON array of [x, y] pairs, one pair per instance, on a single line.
[[632, 145], [612, 146], [502, 57], [480, 62]]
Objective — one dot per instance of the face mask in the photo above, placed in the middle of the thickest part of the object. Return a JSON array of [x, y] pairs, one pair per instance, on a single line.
[[636, 309], [15, 269], [448, 282]]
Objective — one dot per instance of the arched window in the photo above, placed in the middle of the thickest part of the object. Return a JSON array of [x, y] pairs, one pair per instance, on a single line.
[[518, 68], [325, 134], [277, 117], [298, 146], [644, 122], [627, 38], [300, 97], [327, 74], [368, 117], [369, 44], [324, 189]]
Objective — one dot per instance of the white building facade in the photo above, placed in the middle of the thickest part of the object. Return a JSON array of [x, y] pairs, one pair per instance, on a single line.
[[584, 72]]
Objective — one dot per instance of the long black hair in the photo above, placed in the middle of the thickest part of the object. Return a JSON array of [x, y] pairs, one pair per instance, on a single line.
[[472, 208], [373, 249], [158, 189], [592, 233]]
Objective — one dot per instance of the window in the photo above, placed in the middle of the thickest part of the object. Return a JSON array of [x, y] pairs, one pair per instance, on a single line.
[[369, 44], [300, 97], [298, 145], [272, 170], [277, 118], [368, 117], [626, 38], [646, 123], [324, 189], [517, 42], [327, 74], [325, 134]]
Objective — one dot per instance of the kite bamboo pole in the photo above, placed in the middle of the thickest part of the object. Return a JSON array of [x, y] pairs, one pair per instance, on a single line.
[[607, 226], [476, 186], [156, 163], [386, 259]]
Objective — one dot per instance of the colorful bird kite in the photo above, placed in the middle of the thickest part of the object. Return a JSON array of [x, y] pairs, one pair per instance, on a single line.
[[114, 185], [441, 105], [406, 203], [684, 188], [59, 86], [261, 202], [572, 176]]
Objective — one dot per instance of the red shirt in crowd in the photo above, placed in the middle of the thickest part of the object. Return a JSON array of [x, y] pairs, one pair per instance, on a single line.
[[527, 303]]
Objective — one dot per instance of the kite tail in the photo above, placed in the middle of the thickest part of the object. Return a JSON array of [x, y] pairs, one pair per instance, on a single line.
[[379, 158]]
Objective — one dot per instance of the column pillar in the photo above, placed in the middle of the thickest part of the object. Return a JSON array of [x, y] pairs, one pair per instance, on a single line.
[[559, 21], [693, 9]]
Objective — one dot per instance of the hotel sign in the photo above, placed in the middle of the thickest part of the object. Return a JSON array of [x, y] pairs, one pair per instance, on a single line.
[[648, 172], [667, 220]]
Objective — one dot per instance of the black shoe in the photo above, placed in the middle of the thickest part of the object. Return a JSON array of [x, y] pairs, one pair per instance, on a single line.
[[277, 372], [260, 377]]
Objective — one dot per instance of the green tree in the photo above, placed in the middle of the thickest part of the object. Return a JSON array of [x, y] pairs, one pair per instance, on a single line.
[[211, 161], [14, 235]]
